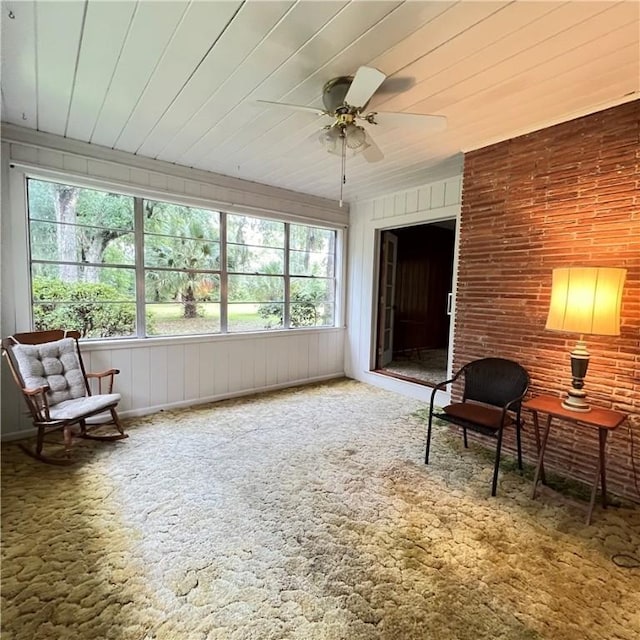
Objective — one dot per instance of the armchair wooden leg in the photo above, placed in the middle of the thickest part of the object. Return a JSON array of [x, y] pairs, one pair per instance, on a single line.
[[37, 452], [68, 440], [40, 441], [116, 421], [464, 437]]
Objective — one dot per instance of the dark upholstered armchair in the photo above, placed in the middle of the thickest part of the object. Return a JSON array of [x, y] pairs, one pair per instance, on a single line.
[[491, 399], [47, 367]]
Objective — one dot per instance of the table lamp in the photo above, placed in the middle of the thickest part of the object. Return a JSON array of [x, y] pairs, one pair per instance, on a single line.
[[584, 300]]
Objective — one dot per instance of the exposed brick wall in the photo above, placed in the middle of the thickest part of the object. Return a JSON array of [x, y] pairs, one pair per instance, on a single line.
[[565, 196]]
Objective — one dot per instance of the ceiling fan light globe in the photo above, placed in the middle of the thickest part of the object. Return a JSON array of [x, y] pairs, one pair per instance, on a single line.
[[329, 138], [361, 148], [355, 136]]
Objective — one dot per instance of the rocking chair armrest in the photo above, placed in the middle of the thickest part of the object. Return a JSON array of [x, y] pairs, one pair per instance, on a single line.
[[49, 424], [36, 391], [109, 374], [104, 374], [38, 403]]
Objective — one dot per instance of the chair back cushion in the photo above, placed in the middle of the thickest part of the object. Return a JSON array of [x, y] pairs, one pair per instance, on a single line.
[[494, 381], [55, 364]]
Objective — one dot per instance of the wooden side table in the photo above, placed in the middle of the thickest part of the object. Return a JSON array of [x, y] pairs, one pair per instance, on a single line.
[[604, 420]]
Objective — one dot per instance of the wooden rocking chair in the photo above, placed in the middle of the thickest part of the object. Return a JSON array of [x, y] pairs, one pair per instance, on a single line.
[[48, 368]]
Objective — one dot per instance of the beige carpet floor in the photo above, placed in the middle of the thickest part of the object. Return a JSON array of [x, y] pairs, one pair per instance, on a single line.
[[305, 514]]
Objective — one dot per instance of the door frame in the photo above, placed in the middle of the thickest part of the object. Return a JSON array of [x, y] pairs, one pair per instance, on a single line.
[[377, 249], [388, 241]]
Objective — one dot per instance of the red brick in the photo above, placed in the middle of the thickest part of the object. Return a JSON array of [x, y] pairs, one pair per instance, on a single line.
[[567, 195]]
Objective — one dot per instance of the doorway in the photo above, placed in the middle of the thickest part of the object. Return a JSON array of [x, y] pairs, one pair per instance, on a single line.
[[414, 301]]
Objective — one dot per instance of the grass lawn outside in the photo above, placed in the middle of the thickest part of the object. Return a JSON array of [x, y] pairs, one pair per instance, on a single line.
[[168, 319]]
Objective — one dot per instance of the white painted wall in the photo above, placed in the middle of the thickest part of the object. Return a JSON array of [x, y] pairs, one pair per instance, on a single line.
[[430, 203], [160, 372]]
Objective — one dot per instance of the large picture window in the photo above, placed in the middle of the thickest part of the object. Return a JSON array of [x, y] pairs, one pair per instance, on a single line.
[[111, 265]]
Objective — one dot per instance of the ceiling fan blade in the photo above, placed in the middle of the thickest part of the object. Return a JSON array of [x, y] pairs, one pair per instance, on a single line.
[[392, 85], [372, 152], [297, 107], [364, 85], [396, 84], [421, 121]]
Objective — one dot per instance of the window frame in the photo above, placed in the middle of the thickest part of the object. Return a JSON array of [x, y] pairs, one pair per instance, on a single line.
[[139, 194]]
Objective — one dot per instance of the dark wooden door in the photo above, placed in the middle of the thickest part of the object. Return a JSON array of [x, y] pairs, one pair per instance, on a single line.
[[424, 274]]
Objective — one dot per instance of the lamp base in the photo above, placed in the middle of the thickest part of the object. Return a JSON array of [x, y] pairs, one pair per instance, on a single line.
[[576, 401], [576, 396]]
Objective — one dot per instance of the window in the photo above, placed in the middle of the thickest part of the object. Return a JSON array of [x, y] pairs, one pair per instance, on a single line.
[[182, 269], [311, 267], [111, 265], [82, 260], [256, 268]]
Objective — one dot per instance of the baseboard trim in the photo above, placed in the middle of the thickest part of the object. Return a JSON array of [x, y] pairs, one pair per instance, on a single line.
[[184, 404]]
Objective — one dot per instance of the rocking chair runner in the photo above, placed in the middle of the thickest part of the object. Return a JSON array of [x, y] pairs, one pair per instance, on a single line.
[[48, 368]]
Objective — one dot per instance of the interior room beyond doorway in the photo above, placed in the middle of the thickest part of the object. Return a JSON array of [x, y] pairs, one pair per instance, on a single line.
[[414, 301]]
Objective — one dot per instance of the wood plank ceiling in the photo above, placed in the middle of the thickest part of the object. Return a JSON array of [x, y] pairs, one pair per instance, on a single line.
[[179, 80]]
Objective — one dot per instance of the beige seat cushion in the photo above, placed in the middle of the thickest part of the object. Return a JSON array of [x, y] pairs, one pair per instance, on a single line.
[[78, 407]]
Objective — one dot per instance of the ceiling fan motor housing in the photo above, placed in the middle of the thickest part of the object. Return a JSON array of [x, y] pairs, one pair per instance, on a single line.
[[334, 92]]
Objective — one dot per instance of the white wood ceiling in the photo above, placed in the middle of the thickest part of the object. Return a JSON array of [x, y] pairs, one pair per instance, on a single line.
[[178, 80]]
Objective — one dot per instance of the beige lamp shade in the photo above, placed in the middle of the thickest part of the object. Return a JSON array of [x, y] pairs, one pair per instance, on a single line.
[[586, 300]]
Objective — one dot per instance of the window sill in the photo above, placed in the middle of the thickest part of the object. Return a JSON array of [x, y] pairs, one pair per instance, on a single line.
[[137, 343]]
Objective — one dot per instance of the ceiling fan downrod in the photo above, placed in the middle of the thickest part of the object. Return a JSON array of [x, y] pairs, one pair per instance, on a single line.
[[343, 167]]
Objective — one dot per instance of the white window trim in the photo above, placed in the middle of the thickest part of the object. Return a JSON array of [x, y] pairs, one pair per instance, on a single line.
[[151, 193], [19, 172]]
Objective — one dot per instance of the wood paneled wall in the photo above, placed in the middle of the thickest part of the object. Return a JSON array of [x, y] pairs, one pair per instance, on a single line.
[[432, 202], [565, 196], [160, 373]]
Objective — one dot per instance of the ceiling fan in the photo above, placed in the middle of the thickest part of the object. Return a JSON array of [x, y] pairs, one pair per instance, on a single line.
[[345, 100]]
